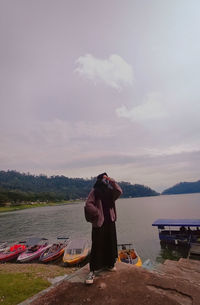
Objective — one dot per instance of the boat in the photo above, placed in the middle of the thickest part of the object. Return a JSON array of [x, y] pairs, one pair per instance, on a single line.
[[77, 252], [128, 255], [35, 247], [3, 246], [11, 253], [178, 232], [54, 252]]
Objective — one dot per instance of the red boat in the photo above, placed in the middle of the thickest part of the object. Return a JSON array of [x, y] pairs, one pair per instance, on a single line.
[[12, 253]]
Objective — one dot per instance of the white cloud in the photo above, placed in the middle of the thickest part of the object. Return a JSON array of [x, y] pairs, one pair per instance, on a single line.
[[114, 71], [151, 109]]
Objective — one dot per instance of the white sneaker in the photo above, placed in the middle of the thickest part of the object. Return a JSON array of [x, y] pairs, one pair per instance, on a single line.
[[90, 278]]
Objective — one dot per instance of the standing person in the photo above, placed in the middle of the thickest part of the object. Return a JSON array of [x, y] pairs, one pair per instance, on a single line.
[[100, 210]]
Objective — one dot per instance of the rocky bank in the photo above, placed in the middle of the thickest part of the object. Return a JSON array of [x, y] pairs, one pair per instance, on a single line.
[[173, 283]]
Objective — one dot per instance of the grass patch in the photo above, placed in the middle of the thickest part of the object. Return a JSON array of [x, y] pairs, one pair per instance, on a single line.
[[17, 287], [21, 281], [16, 208], [24, 206], [44, 271]]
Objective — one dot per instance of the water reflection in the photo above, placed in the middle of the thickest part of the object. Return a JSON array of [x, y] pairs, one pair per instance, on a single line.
[[172, 252]]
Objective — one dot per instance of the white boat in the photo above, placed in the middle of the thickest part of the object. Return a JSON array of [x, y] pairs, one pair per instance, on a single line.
[[76, 252]]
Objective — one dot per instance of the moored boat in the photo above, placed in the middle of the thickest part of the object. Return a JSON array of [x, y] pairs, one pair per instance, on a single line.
[[178, 232], [3, 246], [128, 255], [35, 247], [12, 252], [76, 252], [54, 252]]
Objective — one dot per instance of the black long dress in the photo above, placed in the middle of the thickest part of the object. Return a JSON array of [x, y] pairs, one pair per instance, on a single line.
[[104, 239]]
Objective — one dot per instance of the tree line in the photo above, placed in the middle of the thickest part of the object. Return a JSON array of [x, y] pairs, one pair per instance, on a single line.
[[18, 187], [183, 188]]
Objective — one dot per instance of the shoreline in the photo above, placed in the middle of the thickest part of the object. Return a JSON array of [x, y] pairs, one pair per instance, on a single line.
[[19, 207]]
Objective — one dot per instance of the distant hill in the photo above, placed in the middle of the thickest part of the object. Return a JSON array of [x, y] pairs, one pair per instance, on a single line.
[[18, 187], [183, 188]]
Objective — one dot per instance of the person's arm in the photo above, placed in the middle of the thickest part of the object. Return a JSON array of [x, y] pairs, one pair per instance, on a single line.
[[117, 191], [91, 211]]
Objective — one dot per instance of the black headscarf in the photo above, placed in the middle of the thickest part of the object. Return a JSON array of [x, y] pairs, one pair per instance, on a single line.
[[99, 182], [102, 191]]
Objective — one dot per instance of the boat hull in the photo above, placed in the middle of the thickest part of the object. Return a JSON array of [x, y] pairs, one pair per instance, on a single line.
[[177, 239], [76, 260], [77, 252], [47, 256], [129, 257], [28, 256], [12, 254]]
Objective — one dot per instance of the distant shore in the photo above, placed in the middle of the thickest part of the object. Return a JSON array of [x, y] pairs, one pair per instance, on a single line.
[[10, 208]]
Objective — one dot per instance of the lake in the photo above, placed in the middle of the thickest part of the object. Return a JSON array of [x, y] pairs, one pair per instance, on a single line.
[[134, 223]]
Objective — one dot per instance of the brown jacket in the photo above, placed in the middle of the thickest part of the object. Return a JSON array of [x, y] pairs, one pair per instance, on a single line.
[[94, 210]]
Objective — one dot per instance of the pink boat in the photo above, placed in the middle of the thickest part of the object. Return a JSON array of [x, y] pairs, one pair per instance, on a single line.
[[36, 247]]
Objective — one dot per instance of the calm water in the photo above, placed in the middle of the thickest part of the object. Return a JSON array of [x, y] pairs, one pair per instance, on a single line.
[[134, 224]]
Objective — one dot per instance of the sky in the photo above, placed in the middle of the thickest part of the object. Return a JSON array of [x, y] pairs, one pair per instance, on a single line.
[[92, 86]]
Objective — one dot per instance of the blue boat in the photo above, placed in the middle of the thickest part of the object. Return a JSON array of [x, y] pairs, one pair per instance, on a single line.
[[180, 232]]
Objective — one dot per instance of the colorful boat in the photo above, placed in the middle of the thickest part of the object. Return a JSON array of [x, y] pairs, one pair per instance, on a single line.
[[11, 253], [77, 252], [178, 232], [3, 246], [35, 247], [54, 252], [128, 255]]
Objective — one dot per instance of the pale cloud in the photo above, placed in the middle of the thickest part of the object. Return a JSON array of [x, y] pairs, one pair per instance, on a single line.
[[114, 71], [152, 109], [51, 143], [54, 120], [59, 131]]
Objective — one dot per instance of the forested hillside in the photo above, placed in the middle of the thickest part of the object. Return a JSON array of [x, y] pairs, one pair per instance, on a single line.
[[20, 187], [183, 188]]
